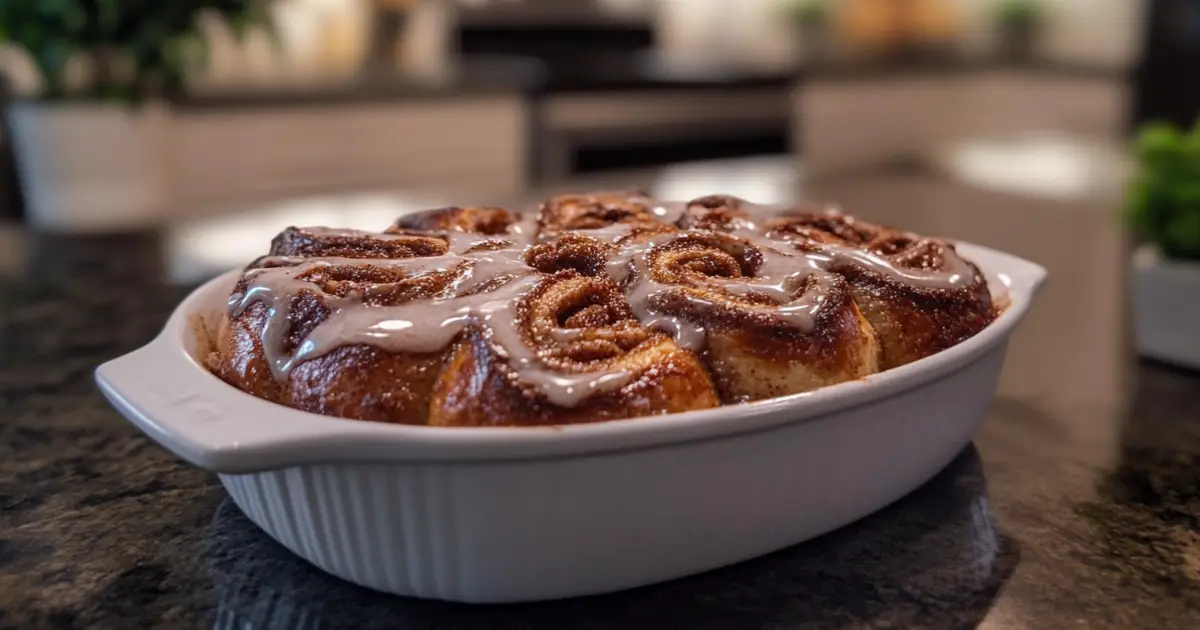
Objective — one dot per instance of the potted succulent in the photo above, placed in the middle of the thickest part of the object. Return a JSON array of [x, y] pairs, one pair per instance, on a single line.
[[1018, 22], [91, 145], [1163, 210], [811, 24]]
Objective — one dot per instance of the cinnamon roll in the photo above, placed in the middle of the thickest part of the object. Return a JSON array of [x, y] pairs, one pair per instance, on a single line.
[[718, 213], [467, 229], [571, 351], [823, 226], [317, 241], [286, 338], [597, 307], [585, 254], [768, 323], [918, 293], [473, 220], [596, 211]]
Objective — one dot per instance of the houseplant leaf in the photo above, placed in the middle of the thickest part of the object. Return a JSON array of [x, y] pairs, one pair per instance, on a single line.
[[1163, 204]]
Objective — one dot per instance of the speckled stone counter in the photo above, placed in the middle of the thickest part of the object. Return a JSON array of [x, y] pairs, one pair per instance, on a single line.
[[1057, 517]]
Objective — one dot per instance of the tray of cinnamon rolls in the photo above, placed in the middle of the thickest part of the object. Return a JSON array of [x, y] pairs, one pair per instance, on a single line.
[[606, 390]]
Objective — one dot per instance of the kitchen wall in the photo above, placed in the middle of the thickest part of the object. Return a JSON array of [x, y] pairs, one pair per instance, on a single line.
[[746, 29], [329, 37], [321, 39], [1094, 31]]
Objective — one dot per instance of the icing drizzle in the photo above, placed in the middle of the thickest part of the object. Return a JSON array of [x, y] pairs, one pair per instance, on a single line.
[[483, 279]]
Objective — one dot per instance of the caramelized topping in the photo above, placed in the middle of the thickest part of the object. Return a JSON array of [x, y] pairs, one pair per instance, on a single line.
[[829, 226], [581, 253], [487, 221], [317, 241], [719, 213], [617, 273], [589, 212]]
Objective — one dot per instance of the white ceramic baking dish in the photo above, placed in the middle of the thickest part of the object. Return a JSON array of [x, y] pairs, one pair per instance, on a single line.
[[515, 514]]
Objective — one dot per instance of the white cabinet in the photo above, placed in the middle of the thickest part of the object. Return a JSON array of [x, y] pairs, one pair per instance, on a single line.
[[1015, 102], [230, 156], [853, 123]]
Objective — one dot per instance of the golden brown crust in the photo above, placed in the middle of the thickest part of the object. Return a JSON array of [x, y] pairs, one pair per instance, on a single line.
[[823, 226], [696, 257], [605, 311], [367, 383], [295, 241], [379, 286], [911, 321], [239, 358], [718, 213], [756, 363], [575, 325], [473, 220], [577, 252], [673, 381], [352, 381], [593, 211], [753, 352]]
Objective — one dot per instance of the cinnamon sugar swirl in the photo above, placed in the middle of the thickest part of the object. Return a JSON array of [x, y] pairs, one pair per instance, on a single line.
[[596, 307], [825, 226], [600, 210], [768, 323], [919, 295], [570, 351]]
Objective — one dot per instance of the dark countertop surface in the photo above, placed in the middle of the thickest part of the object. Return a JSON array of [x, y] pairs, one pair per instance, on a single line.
[[1075, 515]]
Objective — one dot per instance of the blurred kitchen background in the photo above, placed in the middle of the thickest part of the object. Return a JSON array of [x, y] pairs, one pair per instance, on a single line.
[[1011, 123]]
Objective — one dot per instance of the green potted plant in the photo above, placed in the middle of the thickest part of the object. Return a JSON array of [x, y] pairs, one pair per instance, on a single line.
[[91, 144], [810, 20], [1018, 23], [1163, 210]]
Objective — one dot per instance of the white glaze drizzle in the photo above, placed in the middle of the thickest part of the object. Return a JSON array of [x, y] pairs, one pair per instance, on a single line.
[[420, 326], [465, 242], [955, 274], [781, 277], [797, 281], [608, 234], [666, 211]]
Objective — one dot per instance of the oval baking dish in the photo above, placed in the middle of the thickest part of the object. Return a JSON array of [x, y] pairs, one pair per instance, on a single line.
[[529, 513]]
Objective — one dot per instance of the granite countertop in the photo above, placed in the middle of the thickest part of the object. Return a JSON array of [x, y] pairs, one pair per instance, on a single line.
[[1081, 515]]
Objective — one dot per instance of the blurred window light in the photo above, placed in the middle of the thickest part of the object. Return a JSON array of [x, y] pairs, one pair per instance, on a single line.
[[767, 180], [202, 247], [1044, 165]]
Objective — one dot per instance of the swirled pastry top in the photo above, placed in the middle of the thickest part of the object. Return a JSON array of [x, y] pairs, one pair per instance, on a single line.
[[557, 298]]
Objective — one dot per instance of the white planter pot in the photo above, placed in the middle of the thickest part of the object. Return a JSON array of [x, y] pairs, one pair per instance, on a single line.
[[1166, 308], [91, 167]]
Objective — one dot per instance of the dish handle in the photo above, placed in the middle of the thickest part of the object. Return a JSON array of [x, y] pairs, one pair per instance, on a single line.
[[195, 415]]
